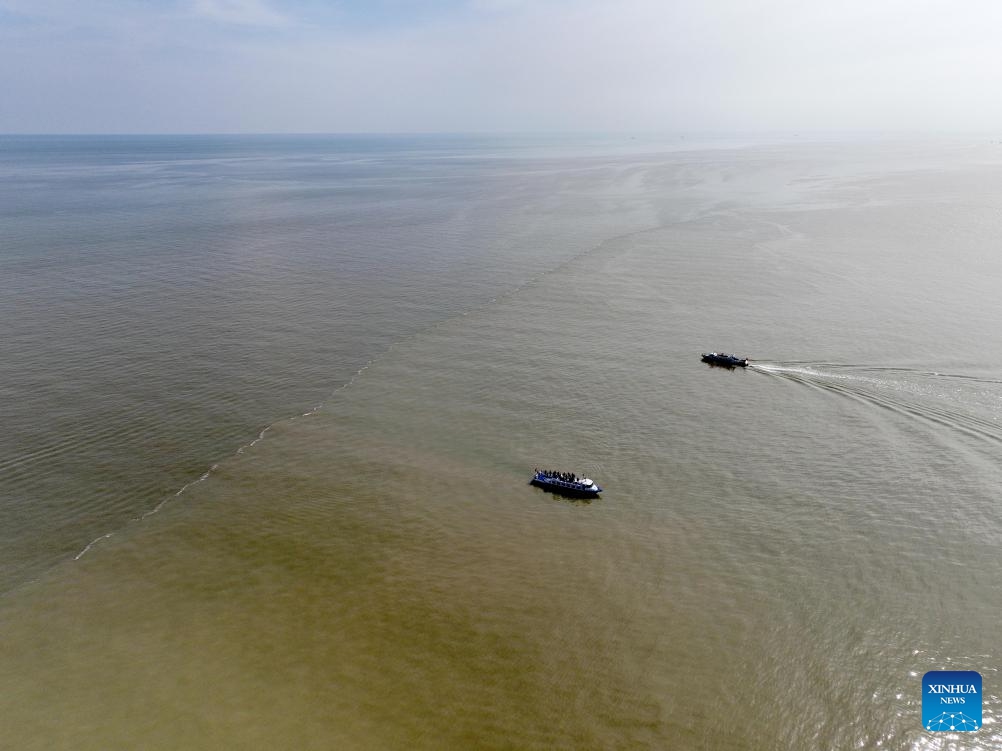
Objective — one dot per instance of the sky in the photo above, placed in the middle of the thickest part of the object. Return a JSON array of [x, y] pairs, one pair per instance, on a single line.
[[410, 66]]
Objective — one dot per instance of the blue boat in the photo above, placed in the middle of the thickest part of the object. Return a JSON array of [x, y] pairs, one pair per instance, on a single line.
[[565, 483], [724, 360]]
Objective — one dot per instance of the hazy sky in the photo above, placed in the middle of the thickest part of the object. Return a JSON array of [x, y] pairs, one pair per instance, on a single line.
[[161, 66]]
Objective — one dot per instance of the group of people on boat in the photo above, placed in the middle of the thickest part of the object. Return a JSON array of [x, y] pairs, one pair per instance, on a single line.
[[566, 483], [565, 476]]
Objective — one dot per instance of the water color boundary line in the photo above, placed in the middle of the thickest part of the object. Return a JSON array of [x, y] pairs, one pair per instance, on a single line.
[[501, 296], [208, 473]]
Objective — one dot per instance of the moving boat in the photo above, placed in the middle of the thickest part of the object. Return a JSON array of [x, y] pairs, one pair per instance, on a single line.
[[725, 360], [565, 483]]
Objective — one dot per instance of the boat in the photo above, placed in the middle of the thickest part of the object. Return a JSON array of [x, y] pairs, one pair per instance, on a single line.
[[725, 360], [565, 483]]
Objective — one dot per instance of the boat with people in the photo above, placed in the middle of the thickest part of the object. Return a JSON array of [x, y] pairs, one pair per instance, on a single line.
[[565, 483], [725, 360]]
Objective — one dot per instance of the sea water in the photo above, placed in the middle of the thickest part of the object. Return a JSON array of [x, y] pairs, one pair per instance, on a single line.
[[271, 407]]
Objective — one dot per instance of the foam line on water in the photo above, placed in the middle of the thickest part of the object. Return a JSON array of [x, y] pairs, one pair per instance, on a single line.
[[502, 296], [209, 472], [91, 544]]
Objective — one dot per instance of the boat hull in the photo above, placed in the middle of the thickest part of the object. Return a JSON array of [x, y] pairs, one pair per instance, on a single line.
[[725, 361], [561, 487]]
